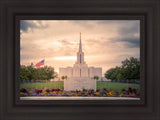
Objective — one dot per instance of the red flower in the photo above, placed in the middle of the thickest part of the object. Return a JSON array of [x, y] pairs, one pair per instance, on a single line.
[[38, 91]]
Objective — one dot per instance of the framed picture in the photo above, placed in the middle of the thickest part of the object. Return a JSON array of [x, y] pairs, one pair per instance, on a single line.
[[65, 60], [115, 70]]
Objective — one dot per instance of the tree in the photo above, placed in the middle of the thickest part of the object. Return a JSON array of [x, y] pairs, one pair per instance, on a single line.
[[41, 73], [119, 76], [113, 73], [24, 73], [130, 69], [96, 77], [31, 71], [109, 73], [36, 74], [117, 71], [64, 77]]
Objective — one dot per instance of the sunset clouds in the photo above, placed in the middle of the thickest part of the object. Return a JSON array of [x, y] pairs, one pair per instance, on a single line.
[[105, 43]]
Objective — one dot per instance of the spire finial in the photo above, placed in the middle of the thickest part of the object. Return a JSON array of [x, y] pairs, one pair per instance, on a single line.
[[80, 44]]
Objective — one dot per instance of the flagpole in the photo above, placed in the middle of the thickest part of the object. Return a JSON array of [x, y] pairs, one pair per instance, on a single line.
[[44, 58]]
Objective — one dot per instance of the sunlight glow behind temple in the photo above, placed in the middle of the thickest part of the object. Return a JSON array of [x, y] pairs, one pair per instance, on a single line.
[[65, 58], [105, 42]]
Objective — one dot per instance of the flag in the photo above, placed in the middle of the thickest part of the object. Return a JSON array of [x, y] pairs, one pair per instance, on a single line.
[[40, 63]]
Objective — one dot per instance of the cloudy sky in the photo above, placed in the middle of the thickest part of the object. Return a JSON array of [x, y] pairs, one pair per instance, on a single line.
[[105, 43]]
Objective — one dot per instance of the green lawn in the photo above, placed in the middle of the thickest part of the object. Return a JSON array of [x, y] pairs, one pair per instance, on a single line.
[[114, 85], [107, 85], [41, 85]]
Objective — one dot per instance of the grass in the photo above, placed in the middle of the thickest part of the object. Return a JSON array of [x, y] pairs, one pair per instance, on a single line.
[[114, 85], [59, 84]]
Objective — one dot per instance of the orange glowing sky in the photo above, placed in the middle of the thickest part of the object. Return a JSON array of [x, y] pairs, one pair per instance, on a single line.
[[105, 43]]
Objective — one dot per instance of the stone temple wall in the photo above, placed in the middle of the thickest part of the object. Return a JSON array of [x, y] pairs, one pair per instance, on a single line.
[[85, 72], [98, 72], [66, 72], [93, 71], [77, 83]]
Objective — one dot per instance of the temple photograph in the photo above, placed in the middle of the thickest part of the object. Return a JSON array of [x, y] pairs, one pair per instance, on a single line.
[[80, 76], [79, 60]]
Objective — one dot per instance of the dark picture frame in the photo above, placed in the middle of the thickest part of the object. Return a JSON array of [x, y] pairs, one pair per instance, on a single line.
[[148, 107]]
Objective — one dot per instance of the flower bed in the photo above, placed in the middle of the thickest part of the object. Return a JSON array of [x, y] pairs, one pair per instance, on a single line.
[[89, 93]]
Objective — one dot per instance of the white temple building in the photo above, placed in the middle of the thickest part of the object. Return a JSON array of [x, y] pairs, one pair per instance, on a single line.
[[80, 76]]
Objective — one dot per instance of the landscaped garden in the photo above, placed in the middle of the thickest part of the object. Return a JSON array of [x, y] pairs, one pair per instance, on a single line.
[[60, 85], [104, 89], [125, 82]]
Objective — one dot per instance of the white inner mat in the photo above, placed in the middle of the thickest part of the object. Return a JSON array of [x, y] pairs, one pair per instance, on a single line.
[[78, 98]]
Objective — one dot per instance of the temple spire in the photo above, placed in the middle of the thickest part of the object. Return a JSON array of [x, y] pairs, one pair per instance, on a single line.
[[80, 44], [80, 54]]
